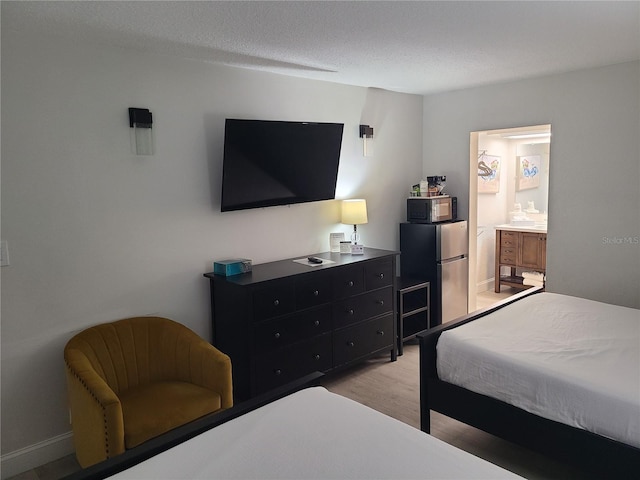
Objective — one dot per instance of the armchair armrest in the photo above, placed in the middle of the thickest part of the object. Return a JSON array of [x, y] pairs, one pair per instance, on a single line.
[[210, 368], [97, 421]]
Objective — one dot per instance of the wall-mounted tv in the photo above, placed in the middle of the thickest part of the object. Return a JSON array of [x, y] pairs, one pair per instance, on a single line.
[[268, 163]]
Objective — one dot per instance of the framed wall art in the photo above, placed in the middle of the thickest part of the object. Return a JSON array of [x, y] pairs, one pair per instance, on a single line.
[[488, 173], [528, 172]]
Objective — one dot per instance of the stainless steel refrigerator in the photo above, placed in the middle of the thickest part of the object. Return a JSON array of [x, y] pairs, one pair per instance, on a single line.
[[438, 253]]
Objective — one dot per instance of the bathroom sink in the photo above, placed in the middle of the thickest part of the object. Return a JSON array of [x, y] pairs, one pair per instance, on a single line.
[[523, 223]]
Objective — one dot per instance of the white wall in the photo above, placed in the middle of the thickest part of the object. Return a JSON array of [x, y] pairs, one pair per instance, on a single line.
[[593, 243], [96, 233], [492, 210]]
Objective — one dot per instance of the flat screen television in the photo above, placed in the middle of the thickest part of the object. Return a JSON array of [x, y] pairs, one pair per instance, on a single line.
[[268, 163]]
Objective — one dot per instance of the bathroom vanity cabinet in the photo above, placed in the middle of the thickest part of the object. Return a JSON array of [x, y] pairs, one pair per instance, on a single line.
[[520, 249]]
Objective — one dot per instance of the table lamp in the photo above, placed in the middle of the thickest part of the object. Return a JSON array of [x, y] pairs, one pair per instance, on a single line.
[[354, 212]]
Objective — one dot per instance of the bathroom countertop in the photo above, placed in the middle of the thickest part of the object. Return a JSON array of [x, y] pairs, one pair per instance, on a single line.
[[522, 228]]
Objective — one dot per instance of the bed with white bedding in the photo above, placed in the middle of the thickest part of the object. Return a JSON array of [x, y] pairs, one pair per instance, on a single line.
[[570, 362], [310, 434]]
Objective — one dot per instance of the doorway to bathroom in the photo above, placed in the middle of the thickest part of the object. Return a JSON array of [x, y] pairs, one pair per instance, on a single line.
[[508, 211]]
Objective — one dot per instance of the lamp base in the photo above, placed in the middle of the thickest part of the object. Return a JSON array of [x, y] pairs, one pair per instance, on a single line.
[[357, 249], [355, 236]]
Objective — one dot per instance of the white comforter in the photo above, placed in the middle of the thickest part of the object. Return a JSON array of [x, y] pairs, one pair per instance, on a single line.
[[564, 358], [314, 434]]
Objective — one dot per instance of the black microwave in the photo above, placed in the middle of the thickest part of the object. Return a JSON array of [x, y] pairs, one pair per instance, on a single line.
[[432, 209]]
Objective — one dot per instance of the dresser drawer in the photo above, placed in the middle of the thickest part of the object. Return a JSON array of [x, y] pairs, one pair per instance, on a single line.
[[348, 281], [508, 255], [312, 290], [509, 239], [274, 300], [361, 307], [279, 367], [359, 340], [378, 274], [273, 334]]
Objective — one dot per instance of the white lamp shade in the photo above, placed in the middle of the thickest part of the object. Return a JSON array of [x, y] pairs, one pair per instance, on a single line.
[[354, 212]]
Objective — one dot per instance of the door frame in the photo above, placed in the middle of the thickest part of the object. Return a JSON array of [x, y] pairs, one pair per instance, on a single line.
[[473, 199], [473, 221]]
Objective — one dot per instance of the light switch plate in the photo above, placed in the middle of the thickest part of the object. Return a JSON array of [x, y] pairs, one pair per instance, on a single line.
[[4, 253]]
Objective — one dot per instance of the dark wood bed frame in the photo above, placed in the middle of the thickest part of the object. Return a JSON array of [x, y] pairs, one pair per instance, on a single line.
[[605, 457], [179, 435]]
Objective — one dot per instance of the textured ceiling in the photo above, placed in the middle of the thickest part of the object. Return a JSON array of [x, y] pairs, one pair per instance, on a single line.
[[417, 47]]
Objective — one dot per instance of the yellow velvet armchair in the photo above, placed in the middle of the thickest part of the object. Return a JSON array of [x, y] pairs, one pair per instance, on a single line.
[[134, 379]]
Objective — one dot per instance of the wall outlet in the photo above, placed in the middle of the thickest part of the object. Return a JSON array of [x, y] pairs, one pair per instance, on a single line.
[[4, 253]]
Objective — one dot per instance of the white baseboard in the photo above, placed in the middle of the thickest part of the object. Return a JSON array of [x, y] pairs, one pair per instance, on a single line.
[[485, 285], [36, 455]]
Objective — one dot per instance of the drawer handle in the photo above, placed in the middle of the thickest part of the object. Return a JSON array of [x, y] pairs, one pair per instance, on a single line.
[[350, 283], [277, 371], [380, 302], [351, 344], [277, 335], [350, 311], [381, 275], [316, 293], [276, 302], [317, 357], [316, 323], [380, 332]]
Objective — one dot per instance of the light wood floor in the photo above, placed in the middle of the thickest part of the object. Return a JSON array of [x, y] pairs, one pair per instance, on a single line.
[[393, 389], [489, 297]]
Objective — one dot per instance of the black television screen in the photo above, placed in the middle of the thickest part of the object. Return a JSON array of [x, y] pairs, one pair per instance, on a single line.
[[269, 163]]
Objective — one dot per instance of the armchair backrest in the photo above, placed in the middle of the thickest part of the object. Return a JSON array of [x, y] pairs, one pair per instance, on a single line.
[[134, 351]]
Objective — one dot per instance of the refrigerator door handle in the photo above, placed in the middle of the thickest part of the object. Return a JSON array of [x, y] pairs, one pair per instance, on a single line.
[[453, 259]]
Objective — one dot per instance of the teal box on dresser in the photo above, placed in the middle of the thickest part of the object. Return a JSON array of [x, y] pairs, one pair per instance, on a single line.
[[232, 267]]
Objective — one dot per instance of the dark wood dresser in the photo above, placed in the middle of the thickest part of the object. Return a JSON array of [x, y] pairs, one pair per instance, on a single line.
[[285, 319]]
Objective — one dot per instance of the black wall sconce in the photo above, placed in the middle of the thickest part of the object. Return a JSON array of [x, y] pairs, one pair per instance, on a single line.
[[366, 134], [140, 121], [366, 131]]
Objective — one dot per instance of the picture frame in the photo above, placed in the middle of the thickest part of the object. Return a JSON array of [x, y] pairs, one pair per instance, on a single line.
[[334, 241], [529, 169], [488, 173]]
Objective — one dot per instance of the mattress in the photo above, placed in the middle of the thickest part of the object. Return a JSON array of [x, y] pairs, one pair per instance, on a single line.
[[314, 434], [567, 359]]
